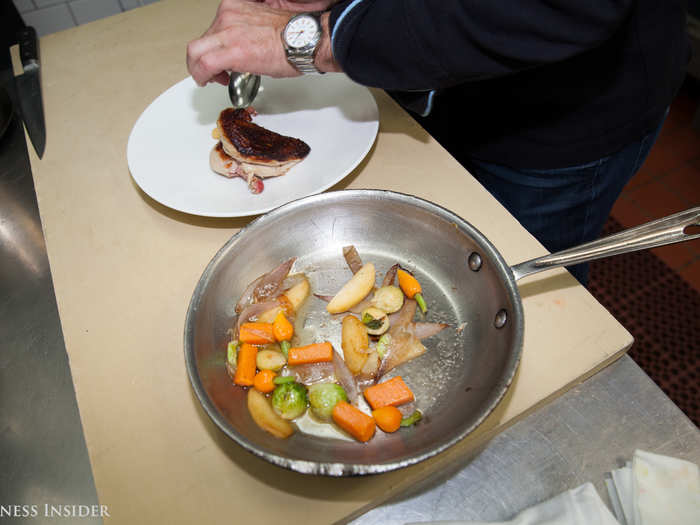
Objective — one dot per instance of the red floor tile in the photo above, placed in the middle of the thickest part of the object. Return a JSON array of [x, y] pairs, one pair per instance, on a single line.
[[680, 115], [672, 150], [628, 213], [691, 273], [656, 200], [676, 256], [646, 174], [685, 183]]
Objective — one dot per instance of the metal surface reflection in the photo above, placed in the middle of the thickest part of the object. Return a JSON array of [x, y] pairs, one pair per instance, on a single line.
[[44, 464]]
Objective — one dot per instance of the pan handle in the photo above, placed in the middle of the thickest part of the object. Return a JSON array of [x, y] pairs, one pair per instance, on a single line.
[[660, 232]]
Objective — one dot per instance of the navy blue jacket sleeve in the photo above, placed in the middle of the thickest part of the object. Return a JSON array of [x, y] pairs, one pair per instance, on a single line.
[[414, 45]]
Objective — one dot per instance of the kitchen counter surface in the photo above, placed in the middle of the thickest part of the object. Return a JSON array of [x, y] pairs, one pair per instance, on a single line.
[[124, 268]]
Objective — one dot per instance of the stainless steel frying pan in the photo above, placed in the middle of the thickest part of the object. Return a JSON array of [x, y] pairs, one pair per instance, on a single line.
[[467, 368]]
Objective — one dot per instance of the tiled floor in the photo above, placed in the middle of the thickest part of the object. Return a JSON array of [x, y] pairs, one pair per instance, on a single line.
[[657, 298], [669, 182]]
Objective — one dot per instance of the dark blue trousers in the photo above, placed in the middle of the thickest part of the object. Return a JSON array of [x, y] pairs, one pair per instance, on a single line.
[[564, 207]]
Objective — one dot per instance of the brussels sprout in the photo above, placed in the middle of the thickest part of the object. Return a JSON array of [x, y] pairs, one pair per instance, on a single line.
[[376, 321], [289, 400], [323, 397]]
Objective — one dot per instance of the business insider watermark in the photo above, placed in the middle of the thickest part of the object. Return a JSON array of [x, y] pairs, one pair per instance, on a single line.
[[49, 510]]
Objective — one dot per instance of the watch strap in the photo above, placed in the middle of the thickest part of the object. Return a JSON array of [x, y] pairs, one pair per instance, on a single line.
[[303, 64]]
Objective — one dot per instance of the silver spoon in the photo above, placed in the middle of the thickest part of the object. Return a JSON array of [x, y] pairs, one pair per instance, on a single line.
[[243, 88]]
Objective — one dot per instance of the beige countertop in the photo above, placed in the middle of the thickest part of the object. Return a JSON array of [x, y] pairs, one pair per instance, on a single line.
[[124, 269]]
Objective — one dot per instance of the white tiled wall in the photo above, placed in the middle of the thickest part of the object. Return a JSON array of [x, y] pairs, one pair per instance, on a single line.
[[49, 16]]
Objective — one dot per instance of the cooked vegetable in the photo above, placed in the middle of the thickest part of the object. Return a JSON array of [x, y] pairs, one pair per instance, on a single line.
[[265, 417], [425, 330], [256, 333], [282, 329], [355, 422], [388, 298], [376, 321], [280, 380], [284, 346], [369, 371], [412, 419], [390, 275], [352, 258], [354, 342], [411, 287], [353, 291], [288, 302], [392, 392], [323, 397], [253, 312], [310, 373], [264, 381], [270, 360], [313, 353], [403, 346], [289, 400], [232, 353], [231, 358], [345, 378], [388, 418], [383, 345], [298, 293], [266, 286], [245, 368]]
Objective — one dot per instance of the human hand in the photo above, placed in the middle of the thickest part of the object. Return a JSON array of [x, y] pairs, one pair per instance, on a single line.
[[300, 5], [244, 36]]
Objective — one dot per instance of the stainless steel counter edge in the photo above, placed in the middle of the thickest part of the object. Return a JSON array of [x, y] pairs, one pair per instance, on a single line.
[[579, 437], [45, 473]]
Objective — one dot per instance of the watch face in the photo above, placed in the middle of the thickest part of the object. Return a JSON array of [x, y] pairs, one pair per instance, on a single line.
[[301, 31]]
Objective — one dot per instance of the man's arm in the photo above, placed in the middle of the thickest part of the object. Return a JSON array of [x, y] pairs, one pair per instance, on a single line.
[[428, 44], [246, 36]]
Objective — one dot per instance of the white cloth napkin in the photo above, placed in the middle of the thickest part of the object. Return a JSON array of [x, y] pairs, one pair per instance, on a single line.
[[651, 490], [654, 489], [579, 506]]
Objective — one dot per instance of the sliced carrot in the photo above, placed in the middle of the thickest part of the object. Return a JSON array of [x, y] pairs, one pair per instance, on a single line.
[[282, 328], [388, 418], [245, 369], [256, 333], [313, 353], [408, 283], [393, 392], [264, 381], [355, 422]]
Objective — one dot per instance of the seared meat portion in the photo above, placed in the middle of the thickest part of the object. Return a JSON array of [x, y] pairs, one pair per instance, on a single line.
[[246, 141], [251, 151]]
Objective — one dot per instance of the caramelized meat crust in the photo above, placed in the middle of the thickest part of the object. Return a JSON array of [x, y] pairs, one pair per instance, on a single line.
[[257, 144]]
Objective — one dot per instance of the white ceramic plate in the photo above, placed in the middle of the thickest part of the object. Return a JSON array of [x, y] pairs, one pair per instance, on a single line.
[[168, 149]]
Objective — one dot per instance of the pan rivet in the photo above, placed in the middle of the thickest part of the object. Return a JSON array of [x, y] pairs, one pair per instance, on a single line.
[[501, 319], [475, 262]]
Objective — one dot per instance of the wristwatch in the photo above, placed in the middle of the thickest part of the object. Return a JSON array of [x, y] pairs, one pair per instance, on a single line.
[[301, 38]]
